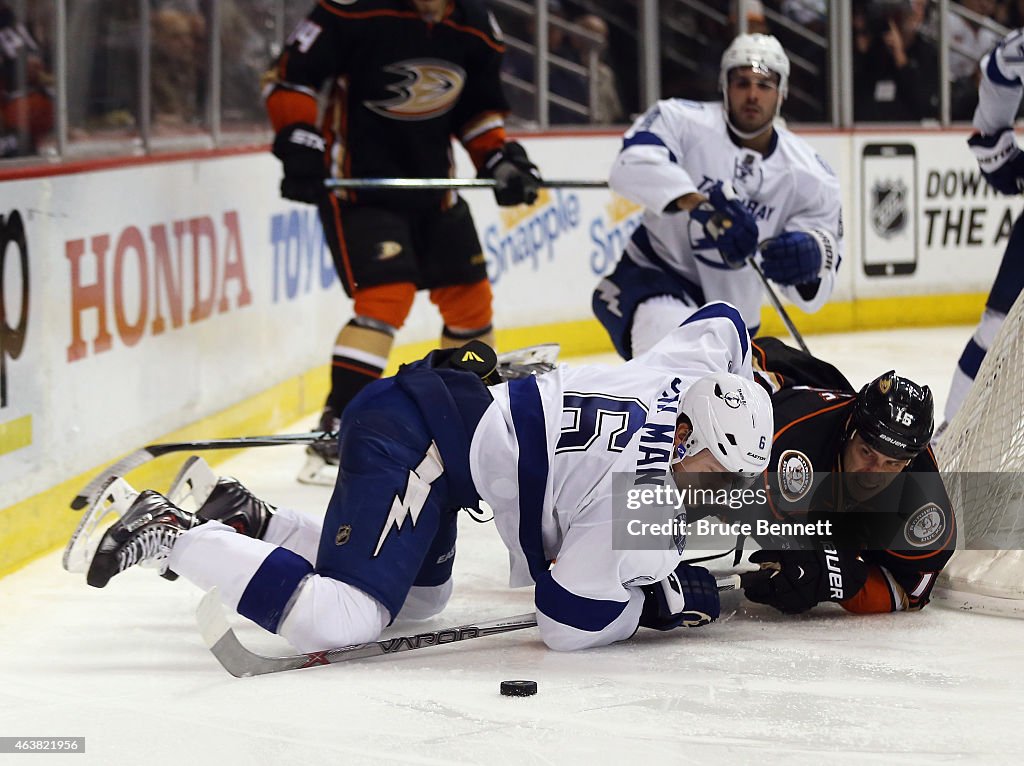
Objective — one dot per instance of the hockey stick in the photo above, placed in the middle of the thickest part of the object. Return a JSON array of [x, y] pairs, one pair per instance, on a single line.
[[779, 307], [447, 183], [516, 363], [242, 663], [142, 456]]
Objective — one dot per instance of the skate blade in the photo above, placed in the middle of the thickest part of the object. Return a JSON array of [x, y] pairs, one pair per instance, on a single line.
[[317, 471], [110, 504], [529, 361], [193, 484], [544, 353]]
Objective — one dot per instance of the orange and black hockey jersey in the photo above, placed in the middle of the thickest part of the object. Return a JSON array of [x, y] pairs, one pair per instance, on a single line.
[[912, 518], [399, 87]]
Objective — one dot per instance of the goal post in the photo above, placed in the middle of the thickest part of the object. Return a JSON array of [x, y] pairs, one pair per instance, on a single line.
[[981, 457]]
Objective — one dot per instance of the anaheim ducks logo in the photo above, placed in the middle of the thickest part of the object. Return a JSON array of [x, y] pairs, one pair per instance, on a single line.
[[385, 251], [428, 89], [925, 526], [795, 475]]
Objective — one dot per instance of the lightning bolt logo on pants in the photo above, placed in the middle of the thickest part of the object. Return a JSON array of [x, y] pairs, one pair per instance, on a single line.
[[417, 488], [608, 291]]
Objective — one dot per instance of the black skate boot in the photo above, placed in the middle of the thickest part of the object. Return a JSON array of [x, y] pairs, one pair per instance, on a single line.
[[322, 457], [232, 504], [144, 535]]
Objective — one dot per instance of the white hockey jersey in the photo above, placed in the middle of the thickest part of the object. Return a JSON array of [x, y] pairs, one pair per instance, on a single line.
[[1002, 85], [548, 478], [678, 147]]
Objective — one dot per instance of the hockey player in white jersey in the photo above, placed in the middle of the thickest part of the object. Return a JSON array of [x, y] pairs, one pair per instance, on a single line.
[[541, 451], [1002, 163], [716, 179]]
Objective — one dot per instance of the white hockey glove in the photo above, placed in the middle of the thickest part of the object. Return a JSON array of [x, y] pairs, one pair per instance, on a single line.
[[1000, 160], [688, 597], [798, 257]]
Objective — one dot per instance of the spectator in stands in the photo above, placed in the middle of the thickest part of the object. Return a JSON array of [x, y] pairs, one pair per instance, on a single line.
[[811, 15], [756, 22], [26, 107], [562, 83], [810, 79], [608, 107], [246, 46], [1010, 13], [179, 36], [895, 67]]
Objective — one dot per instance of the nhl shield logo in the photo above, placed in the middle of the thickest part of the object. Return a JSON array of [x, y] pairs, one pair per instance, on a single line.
[[888, 208], [343, 535]]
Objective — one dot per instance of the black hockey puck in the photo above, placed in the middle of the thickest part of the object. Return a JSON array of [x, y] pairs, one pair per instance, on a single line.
[[518, 688]]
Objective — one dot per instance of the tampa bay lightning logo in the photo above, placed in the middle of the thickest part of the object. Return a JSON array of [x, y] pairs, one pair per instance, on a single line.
[[888, 208], [747, 174], [733, 399]]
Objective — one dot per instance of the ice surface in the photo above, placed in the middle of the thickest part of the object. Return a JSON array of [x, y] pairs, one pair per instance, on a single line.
[[125, 666]]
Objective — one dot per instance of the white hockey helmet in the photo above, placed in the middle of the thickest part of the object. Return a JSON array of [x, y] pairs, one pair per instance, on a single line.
[[732, 418], [762, 53]]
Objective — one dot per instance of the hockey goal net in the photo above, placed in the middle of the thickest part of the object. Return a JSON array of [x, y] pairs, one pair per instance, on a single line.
[[981, 455]]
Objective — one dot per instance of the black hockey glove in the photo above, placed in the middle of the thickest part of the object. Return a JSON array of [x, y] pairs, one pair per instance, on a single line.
[[300, 147], [688, 597], [475, 357], [795, 581], [1000, 159], [516, 178], [728, 224]]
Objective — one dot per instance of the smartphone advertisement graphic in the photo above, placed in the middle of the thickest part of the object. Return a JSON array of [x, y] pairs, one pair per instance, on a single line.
[[889, 205]]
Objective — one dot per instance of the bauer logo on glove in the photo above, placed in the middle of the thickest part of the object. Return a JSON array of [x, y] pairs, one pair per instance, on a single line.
[[798, 257]]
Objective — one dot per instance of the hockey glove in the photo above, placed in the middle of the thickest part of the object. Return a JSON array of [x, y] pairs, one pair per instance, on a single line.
[[795, 581], [516, 178], [796, 257], [688, 597], [728, 224], [1000, 160], [300, 147]]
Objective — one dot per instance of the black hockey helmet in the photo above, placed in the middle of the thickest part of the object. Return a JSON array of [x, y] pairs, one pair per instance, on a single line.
[[894, 415]]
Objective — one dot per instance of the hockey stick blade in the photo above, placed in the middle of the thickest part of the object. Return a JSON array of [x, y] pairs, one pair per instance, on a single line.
[[142, 456], [243, 663]]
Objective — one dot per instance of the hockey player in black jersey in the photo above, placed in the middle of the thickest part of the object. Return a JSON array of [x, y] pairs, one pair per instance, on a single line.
[[402, 78], [862, 461]]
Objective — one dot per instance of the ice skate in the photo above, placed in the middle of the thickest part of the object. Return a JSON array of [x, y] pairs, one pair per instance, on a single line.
[[321, 465], [232, 504], [531, 360], [197, 488], [193, 484], [144, 534]]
